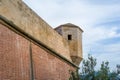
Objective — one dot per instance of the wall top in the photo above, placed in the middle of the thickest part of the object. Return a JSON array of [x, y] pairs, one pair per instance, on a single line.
[[27, 20]]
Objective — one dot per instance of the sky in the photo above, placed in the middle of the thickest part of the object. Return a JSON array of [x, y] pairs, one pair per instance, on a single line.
[[100, 20]]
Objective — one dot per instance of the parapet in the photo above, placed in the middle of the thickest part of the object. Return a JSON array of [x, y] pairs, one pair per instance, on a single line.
[[27, 20]]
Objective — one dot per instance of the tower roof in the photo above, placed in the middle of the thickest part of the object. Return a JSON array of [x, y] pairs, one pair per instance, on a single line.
[[69, 25]]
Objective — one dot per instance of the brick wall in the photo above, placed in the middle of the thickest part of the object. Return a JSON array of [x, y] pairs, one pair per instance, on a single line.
[[14, 56], [49, 67], [16, 63]]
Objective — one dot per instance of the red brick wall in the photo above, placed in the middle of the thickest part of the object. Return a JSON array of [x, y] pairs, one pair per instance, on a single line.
[[15, 60], [49, 67], [14, 56]]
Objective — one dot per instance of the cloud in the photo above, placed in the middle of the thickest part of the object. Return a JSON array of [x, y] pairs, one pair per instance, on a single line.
[[102, 2], [76, 11], [110, 40]]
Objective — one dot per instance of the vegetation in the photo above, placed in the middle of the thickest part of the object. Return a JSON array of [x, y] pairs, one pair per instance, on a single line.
[[89, 73], [74, 76], [88, 68]]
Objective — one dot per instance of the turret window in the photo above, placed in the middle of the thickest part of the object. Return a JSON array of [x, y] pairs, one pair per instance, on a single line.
[[69, 37]]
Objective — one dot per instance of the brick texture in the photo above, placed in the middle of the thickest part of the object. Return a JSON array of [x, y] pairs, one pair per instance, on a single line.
[[14, 56], [15, 63], [49, 67]]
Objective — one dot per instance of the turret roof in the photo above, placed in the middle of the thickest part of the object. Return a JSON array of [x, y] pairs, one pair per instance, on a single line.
[[69, 25]]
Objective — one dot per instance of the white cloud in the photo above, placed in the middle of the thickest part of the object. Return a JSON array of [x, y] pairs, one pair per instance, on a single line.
[[73, 10]]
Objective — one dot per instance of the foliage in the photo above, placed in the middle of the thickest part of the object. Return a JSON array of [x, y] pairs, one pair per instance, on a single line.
[[113, 75], [74, 76], [104, 70], [103, 73], [88, 68], [89, 73], [118, 68]]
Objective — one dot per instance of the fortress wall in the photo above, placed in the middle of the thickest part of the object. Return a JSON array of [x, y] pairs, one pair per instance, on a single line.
[[27, 20], [49, 67], [14, 56], [23, 59]]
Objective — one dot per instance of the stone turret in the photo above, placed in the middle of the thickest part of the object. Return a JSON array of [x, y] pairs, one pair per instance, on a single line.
[[73, 34]]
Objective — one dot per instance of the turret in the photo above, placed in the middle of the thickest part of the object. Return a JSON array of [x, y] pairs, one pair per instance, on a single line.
[[73, 34]]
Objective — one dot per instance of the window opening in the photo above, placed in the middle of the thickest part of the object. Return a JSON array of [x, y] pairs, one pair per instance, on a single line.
[[69, 37]]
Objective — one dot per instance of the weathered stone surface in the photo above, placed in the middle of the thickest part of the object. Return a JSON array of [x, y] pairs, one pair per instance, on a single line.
[[27, 20], [75, 42]]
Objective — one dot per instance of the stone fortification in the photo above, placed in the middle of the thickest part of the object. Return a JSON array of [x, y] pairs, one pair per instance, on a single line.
[[22, 16], [30, 49]]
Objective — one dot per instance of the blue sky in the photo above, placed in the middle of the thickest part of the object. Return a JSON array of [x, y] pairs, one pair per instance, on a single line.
[[100, 20]]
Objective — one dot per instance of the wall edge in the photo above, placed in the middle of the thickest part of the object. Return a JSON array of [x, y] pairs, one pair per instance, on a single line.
[[25, 34]]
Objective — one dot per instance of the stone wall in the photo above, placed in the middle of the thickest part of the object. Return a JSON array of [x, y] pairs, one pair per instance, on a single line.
[[22, 16], [73, 34]]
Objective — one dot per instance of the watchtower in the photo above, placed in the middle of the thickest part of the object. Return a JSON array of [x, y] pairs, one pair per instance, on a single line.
[[73, 34]]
